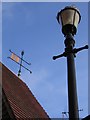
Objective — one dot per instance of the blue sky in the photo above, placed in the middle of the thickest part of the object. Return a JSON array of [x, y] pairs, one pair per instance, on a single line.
[[88, 62], [33, 27], [45, 0]]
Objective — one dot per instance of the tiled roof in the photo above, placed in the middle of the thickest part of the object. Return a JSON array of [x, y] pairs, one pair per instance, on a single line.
[[86, 118], [20, 98]]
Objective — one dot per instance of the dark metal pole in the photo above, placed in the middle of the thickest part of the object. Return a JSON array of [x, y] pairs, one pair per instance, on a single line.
[[70, 52], [72, 90]]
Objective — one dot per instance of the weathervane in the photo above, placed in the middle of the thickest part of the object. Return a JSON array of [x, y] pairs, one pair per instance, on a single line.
[[19, 61]]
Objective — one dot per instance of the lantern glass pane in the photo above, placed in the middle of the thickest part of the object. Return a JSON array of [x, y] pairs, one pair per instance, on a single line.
[[76, 19], [67, 16]]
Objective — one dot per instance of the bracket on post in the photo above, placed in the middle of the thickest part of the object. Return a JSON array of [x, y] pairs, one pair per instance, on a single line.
[[74, 51]]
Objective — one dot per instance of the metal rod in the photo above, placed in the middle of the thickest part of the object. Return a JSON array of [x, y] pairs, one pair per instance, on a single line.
[[58, 56], [72, 91], [71, 75], [79, 49], [21, 65], [26, 68], [22, 53], [20, 58]]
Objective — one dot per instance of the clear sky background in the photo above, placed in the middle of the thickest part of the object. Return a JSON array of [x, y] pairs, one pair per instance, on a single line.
[[45, 0], [33, 27], [88, 60]]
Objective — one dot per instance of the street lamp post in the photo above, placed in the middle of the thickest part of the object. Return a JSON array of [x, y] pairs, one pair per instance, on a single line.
[[69, 18]]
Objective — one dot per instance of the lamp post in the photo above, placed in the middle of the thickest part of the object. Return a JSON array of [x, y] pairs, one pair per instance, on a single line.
[[69, 18]]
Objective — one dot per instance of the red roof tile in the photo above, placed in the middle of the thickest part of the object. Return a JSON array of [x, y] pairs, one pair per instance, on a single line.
[[22, 101]]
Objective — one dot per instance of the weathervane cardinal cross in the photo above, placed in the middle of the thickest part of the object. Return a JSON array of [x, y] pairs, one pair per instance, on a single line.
[[19, 61]]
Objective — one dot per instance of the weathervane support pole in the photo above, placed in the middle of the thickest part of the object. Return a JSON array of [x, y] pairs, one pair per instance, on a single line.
[[22, 53]]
